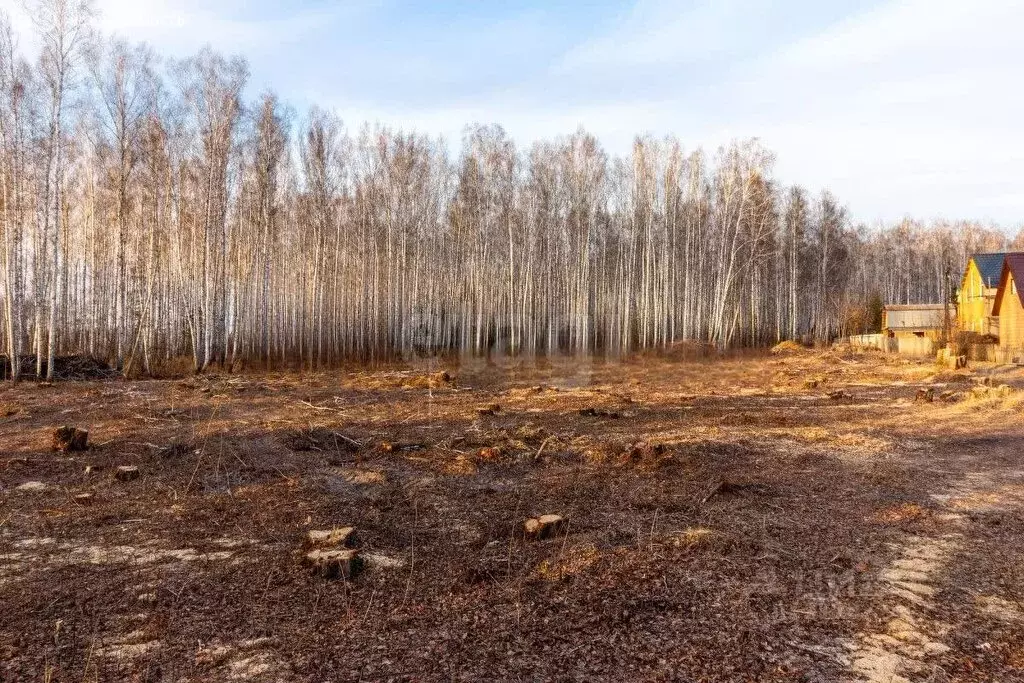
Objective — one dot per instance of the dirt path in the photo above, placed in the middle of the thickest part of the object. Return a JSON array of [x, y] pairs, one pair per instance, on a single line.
[[913, 587]]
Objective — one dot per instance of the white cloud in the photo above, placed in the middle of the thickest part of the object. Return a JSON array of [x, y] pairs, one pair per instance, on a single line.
[[908, 106], [917, 29], [658, 33], [180, 27], [183, 26]]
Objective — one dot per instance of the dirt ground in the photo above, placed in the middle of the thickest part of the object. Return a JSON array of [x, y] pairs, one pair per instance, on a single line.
[[791, 517]]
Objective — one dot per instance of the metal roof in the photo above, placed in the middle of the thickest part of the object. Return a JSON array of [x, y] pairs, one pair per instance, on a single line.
[[916, 307], [1012, 264], [990, 266], [917, 316]]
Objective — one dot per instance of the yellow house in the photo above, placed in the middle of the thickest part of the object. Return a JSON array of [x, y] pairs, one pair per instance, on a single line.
[[978, 293], [1008, 305]]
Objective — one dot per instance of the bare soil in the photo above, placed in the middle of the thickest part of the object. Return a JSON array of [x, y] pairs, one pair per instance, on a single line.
[[792, 517]]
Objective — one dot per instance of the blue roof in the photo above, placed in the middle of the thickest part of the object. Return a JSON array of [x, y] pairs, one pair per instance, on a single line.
[[990, 266]]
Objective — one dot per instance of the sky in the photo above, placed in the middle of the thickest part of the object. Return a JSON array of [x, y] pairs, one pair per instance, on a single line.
[[899, 107]]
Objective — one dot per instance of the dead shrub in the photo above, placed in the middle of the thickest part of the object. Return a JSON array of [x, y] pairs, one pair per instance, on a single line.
[[77, 367], [788, 347], [317, 439]]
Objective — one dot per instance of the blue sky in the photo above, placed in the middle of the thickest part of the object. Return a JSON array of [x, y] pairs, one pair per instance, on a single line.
[[898, 106]]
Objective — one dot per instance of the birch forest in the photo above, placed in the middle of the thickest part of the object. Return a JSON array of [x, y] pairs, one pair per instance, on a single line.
[[155, 210]]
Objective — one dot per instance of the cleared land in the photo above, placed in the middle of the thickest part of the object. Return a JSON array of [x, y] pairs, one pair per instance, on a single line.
[[792, 517]]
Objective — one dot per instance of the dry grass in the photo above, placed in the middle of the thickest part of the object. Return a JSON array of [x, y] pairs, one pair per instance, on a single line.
[[704, 500], [900, 513], [788, 347]]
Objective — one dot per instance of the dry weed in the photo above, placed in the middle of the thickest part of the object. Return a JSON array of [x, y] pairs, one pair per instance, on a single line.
[[900, 513]]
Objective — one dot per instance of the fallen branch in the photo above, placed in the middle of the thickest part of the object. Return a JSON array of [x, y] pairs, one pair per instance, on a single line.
[[316, 407], [541, 449]]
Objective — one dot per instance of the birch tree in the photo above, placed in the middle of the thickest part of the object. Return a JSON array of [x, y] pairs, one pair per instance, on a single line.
[[63, 29], [164, 222]]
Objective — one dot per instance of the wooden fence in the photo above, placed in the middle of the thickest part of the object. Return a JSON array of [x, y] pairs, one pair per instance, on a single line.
[[993, 353], [906, 346], [873, 341], [919, 347]]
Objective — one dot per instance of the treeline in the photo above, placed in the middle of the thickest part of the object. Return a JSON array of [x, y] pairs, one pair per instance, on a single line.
[[150, 212]]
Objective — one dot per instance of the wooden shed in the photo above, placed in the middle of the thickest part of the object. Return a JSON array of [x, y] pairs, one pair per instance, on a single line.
[[917, 320], [1008, 305], [916, 329], [978, 294]]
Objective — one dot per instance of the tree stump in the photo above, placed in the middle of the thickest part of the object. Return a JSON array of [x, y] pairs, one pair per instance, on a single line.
[[543, 527], [330, 538], [489, 453], [334, 564], [70, 439], [127, 473]]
